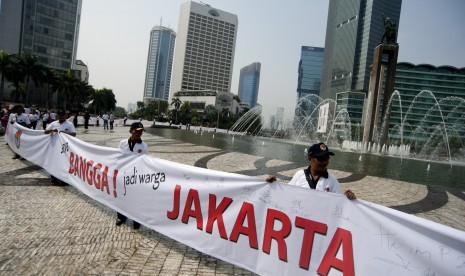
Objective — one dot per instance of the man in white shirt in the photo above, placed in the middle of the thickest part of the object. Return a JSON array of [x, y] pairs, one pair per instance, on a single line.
[[316, 176], [45, 119], [17, 116], [34, 118], [137, 146], [62, 125], [20, 117], [53, 116], [105, 121]]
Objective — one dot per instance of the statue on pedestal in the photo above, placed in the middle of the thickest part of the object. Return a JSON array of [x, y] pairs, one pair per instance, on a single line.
[[390, 31]]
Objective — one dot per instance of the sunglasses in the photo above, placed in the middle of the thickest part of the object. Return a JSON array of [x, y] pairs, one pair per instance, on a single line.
[[322, 158]]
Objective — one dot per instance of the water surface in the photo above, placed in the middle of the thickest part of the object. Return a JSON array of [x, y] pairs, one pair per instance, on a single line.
[[410, 170]]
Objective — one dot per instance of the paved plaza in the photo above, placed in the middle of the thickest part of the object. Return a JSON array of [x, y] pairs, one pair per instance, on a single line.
[[56, 230]]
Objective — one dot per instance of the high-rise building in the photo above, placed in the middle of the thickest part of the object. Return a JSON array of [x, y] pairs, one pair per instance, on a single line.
[[249, 82], [310, 68], [205, 46], [308, 83], [46, 29], [431, 98], [353, 30], [159, 63], [280, 117]]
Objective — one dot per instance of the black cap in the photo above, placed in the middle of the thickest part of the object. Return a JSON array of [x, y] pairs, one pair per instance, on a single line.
[[319, 149], [61, 112], [137, 126]]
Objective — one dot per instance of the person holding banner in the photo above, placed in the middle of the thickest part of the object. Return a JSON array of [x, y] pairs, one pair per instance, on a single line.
[[62, 125], [136, 145], [21, 118], [316, 176]]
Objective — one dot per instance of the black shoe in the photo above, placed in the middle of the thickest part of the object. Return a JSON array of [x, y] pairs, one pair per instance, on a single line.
[[16, 157], [119, 222], [136, 225]]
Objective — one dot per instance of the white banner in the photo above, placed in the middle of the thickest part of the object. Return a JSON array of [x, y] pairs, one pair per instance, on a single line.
[[270, 229]]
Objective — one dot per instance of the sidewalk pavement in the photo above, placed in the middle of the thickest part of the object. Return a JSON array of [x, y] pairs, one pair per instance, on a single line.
[[56, 230]]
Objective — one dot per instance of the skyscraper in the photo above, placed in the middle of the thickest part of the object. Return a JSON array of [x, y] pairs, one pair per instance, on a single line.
[[159, 63], [309, 78], [46, 29], [205, 46], [310, 68], [353, 30], [249, 82]]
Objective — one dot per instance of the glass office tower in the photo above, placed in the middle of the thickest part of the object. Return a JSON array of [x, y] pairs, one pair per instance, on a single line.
[[249, 82], [159, 63], [205, 45], [354, 29], [46, 29], [309, 78], [310, 68]]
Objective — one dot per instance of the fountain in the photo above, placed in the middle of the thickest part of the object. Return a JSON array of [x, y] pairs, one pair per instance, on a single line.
[[411, 140]]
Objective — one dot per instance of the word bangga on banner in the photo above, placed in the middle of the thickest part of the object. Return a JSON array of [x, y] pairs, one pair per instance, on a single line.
[[270, 229]]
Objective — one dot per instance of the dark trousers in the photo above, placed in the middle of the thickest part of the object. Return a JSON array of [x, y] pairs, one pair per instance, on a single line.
[[124, 218]]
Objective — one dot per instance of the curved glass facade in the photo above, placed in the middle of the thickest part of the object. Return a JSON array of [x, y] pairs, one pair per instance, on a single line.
[[249, 82], [159, 63]]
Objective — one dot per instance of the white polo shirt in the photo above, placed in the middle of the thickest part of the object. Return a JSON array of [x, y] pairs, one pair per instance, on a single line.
[[23, 118], [139, 148], [329, 184], [66, 126]]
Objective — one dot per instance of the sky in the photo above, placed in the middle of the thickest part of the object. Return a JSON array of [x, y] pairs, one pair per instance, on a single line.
[[114, 40]]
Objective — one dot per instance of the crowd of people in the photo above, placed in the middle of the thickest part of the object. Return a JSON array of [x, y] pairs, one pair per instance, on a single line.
[[35, 118]]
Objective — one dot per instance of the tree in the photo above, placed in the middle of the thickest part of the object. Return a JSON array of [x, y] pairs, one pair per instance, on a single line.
[[185, 112], [103, 100], [30, 70], [140, 104], [50, 78], [65, 85], [120, 112], [5, 66], [16, 79], [211, 114], [176, 102]]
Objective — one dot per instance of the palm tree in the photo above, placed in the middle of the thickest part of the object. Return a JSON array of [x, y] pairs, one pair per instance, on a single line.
[[186, 112], [65, 85], [109, 99], [30, 70], [83, 94], [16, 81], [103, 100], [51, 79], [5, 66], [177, 104]]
